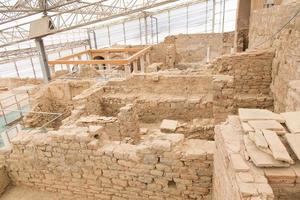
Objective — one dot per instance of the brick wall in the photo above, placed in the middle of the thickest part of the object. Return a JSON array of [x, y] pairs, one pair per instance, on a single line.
[[79, 165], [285, 67], [251, 72], [191, 48], [4, 179]]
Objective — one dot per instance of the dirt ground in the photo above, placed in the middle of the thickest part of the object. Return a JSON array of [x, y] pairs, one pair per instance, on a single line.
[[25, 193]]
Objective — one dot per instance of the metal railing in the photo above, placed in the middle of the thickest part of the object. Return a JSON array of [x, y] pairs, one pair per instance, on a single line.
[[12, 110], [13, 101], [13, 129]]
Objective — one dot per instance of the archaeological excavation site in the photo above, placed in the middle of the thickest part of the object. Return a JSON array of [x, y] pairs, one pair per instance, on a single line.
[[150, 99]]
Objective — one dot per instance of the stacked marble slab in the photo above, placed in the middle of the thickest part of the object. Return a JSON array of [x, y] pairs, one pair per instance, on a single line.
[[256, 156], [271, 139]]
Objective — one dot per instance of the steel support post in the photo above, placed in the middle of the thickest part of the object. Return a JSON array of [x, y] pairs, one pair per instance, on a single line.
[[16, 68], [187, 18], [223, 19], [31, 61], [146, 30], [43, 59], [206, 11], [213, 16], [140, 27], [169, 22], [95, 39], [108, 33], [124, 33]]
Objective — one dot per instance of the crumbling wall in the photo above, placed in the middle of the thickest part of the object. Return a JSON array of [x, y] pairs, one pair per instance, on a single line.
[[223, 97], [191, 48], [4, 179], [56, 97], [285, 67], [166, 166], [155, 97], [251, 72], [125, 125], [11, 83]]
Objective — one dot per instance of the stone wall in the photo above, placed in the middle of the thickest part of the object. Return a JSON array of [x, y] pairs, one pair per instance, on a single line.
[[155, 97], [81, 166], [251, 72], [223, 96], [56, 97], [285, 67], [125, 125], [11, 83], [4, 179], [191, 48]]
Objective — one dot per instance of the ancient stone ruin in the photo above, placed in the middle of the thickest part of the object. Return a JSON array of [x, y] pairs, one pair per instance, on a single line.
[[166, 121]]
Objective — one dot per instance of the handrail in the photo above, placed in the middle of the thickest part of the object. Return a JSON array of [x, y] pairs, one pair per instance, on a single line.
[[57, 115], [74, 55], [140, 52], [88, 62]]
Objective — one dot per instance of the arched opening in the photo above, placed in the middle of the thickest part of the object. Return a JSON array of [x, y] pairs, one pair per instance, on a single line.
[[100, 58]]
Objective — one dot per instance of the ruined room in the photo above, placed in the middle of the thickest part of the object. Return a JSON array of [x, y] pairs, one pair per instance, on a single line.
[[150, 99]]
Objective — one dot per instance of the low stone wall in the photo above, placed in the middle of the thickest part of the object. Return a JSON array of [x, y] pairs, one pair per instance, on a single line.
[[11, 83], [56, 97], [125, 125], [191, 48], [223, 103], [251, 72], [79, 165], [197, 129], [155, 97], [186, 97], [177, 108], [4, 180]]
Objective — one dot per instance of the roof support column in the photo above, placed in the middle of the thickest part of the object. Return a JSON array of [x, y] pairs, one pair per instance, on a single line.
[[43, 59]]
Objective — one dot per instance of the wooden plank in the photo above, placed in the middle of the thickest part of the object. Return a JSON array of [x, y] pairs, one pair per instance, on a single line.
[[115, 50], [139, 54], [294, 142], [89, 62], [278, 149], [73, 55]]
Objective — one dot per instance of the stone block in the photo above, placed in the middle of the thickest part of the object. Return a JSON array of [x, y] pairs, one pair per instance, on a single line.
[[292, 121], [168, 126]]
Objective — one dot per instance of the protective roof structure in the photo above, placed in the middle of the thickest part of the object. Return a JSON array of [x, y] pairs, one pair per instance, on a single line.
[[16, 15]]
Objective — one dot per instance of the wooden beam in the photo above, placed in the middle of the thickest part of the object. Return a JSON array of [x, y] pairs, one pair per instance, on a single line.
[[74, 55], [114, 50], [89, 62], [138, 54]]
